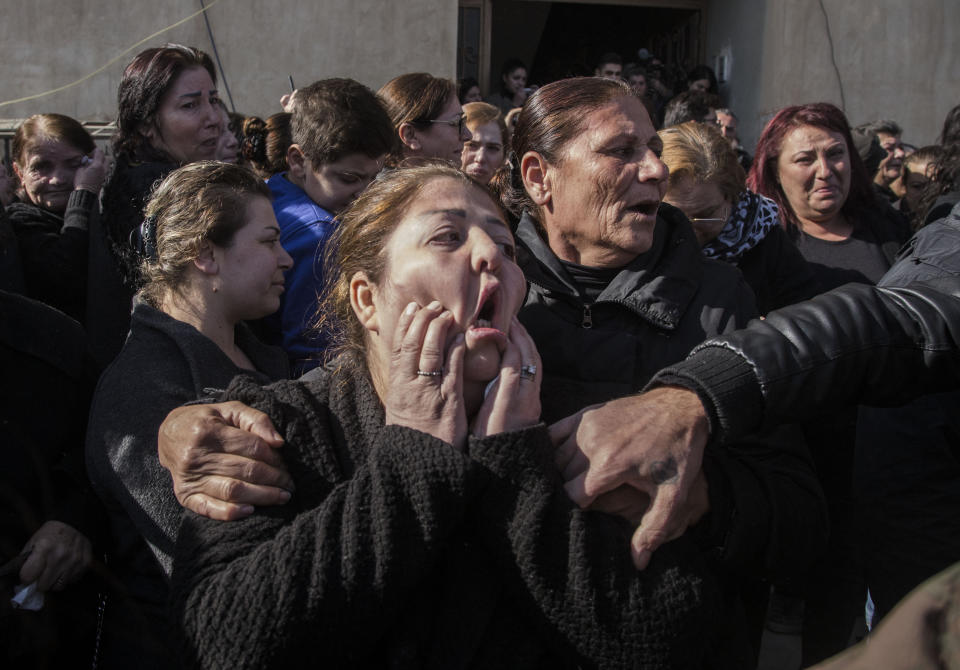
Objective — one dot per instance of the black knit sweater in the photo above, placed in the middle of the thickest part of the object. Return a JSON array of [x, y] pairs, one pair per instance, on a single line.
[[53, 250], [400, 551]]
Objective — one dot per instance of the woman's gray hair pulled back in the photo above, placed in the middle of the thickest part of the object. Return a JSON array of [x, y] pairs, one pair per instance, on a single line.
[[552, 116]]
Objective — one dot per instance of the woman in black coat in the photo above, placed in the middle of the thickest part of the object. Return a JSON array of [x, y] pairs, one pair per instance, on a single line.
[[169, 115], [60, 171], [213, 260]]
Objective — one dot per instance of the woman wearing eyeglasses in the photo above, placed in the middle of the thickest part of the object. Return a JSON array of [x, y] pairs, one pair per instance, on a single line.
[[733, 224], [427, 116]]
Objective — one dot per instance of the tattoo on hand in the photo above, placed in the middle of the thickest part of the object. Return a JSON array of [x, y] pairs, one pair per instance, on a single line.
[[663, 472]]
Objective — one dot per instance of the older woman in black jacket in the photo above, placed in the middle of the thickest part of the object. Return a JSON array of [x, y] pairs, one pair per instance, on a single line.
[[60, 171]]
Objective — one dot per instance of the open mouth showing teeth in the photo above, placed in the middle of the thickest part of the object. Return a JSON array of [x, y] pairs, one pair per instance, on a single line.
[[485, 316]]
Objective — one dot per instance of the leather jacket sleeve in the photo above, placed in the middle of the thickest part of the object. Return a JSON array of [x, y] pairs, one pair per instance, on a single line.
[[858, 343]]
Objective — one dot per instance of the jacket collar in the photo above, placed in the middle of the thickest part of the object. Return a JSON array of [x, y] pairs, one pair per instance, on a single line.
[[658, 285]]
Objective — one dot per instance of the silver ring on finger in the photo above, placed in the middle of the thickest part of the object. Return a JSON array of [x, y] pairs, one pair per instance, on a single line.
[[85, 160], [528, 371], [430, 373]]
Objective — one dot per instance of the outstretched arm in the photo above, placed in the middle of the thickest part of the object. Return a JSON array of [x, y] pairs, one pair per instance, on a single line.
[[855, 344]]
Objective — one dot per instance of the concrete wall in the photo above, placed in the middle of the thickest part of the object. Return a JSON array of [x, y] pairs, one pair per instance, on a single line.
[[895, 59], [48, 43]]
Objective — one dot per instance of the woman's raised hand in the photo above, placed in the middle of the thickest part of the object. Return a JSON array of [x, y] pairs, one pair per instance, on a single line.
[[425, 388], [513, 402], [92, 172], [57, 555]]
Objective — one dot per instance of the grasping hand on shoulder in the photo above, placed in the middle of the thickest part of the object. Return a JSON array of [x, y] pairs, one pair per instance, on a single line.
[[224, 459]]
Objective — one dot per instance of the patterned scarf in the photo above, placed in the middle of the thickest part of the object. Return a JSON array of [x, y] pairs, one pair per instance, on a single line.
[[751, 219]]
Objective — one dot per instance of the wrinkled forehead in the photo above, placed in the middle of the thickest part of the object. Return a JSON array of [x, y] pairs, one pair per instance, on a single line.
[[43, 145], [624, 115]]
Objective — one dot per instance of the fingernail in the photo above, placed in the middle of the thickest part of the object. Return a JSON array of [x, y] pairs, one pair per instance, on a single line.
[[411, 308], [246, 509], [434, 305], [285, 495]]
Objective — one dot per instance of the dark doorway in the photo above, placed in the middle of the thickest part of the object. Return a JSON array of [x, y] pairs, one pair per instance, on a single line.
[[563, 39]]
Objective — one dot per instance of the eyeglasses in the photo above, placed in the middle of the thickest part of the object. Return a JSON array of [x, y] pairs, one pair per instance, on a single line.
[[457, 123], [724, 215]]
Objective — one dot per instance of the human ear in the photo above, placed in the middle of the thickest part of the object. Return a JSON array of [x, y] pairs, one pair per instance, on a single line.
[[17, 171], [362, 300], [297, 161], [535, 172], [151, 133], [408, 135], [206, 260]]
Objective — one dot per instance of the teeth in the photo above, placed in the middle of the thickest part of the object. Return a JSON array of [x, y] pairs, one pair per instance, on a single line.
[[483, 323]]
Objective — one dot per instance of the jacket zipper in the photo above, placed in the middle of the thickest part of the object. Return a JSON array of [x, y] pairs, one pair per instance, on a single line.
[[587, 321]]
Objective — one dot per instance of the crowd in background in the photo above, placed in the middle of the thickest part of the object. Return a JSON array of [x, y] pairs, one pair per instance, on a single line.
[[445, 273]]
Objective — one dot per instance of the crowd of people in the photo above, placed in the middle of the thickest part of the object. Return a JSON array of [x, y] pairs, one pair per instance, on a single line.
[[359, 384]]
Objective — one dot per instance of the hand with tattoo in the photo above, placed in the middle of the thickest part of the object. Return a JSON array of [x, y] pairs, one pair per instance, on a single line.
[[652, 442]]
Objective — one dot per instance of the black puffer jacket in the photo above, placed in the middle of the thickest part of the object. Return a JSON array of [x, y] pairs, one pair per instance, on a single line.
[[767, 511], [653, 313]]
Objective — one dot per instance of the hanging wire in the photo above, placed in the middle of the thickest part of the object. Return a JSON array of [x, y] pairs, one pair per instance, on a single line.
[[111, 61], [216, 55]]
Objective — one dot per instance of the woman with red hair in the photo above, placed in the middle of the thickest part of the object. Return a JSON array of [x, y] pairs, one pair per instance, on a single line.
[[807, 164]]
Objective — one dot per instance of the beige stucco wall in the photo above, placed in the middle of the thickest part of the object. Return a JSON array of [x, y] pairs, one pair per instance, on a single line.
[[47, 43], [896, 59]]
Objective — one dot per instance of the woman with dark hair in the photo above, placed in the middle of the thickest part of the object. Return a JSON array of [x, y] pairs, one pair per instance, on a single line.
[[265, 143], [702, 80], [468, 90], [169, 114], [806, 162], [212, 261], [513, 87], [427, 117], [60, 170], [733, 224], [951, 128]]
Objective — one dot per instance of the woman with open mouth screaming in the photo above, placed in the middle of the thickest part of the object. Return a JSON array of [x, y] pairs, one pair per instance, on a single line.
[[430, 527]]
